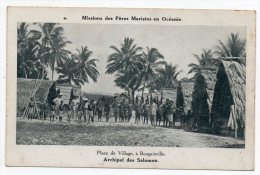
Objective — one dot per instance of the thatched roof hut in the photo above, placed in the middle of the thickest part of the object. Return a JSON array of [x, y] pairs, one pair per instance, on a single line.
[[67, 91], [121, 96], [170, 93], [202, 95], [230, 94], [25, 88], [187, 89]]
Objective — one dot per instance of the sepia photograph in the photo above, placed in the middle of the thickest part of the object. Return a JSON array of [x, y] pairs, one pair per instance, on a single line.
[[111, 85], [130, 88]]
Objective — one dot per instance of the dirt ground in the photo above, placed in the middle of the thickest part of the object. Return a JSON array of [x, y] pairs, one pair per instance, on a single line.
[[39, 132]]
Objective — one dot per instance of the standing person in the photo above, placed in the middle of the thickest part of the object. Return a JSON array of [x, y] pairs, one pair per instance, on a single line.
[[125, 111], [146, 108], [174, 117], [182, 117], [52, 112], [99, 111], [107, 110], [79, 110], [133, 112], [130, 112], [138, 109], [61, 108], [153, 110], [116, 112], [94, 108], [121, 112], [70, 112], [85, 109], [91, 111], [165, 106], [45, 110], [75, 104], [57, 102], [141, 108], [87, 113], [31, 106], [167, 112], [170, 113], [159, 114]]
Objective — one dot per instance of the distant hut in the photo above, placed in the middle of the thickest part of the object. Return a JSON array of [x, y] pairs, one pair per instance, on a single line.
[[96, 97], [25, 88], [202, 96], [170, 93], [68, 92], [119, 97], [228, 108]]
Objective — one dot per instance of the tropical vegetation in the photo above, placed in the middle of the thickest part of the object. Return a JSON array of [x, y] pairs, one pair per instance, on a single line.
[[135, 69], [43, 46]]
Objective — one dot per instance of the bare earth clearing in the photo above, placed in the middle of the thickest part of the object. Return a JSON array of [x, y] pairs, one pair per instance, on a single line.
[[38, 132]]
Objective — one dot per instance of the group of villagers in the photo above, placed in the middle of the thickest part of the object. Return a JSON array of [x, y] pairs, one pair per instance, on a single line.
[[150, 111]]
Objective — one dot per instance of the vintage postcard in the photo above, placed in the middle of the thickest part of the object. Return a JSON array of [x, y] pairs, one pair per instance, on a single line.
[[130, 88]]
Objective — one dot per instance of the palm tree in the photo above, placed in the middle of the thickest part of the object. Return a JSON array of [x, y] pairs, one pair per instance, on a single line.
[[68, 73], [127, 64], [86, 67], [153, 61], [167, 77], [205, 60], [53, 45], [25, 36], [79, 68], [129, 82], [126, 59], [28, 52], [234, 47]]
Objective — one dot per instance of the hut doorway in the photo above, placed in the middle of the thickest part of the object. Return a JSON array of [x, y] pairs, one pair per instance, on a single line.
[[228, 108], [222, 102], [52, 93]]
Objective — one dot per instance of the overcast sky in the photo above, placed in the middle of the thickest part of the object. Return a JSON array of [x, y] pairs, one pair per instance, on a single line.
[[176, 43]]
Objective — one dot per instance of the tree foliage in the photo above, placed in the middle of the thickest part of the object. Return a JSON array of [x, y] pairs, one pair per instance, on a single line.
[[234, 47], [79, 68], [205, 60], [28, 53]]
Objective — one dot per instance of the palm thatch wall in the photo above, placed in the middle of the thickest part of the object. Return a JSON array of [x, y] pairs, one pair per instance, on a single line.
[[202, 96], [230, 96], [170, 93], [24, 92], [210, 77], [187, 89], [67, 91]]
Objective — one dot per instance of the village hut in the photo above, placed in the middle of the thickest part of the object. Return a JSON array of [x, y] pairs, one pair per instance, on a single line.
[[119, 97], [95, 97], [68, 91], [228, 108], [26, 88], [187, 89], [169, 93], [202, 96]]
